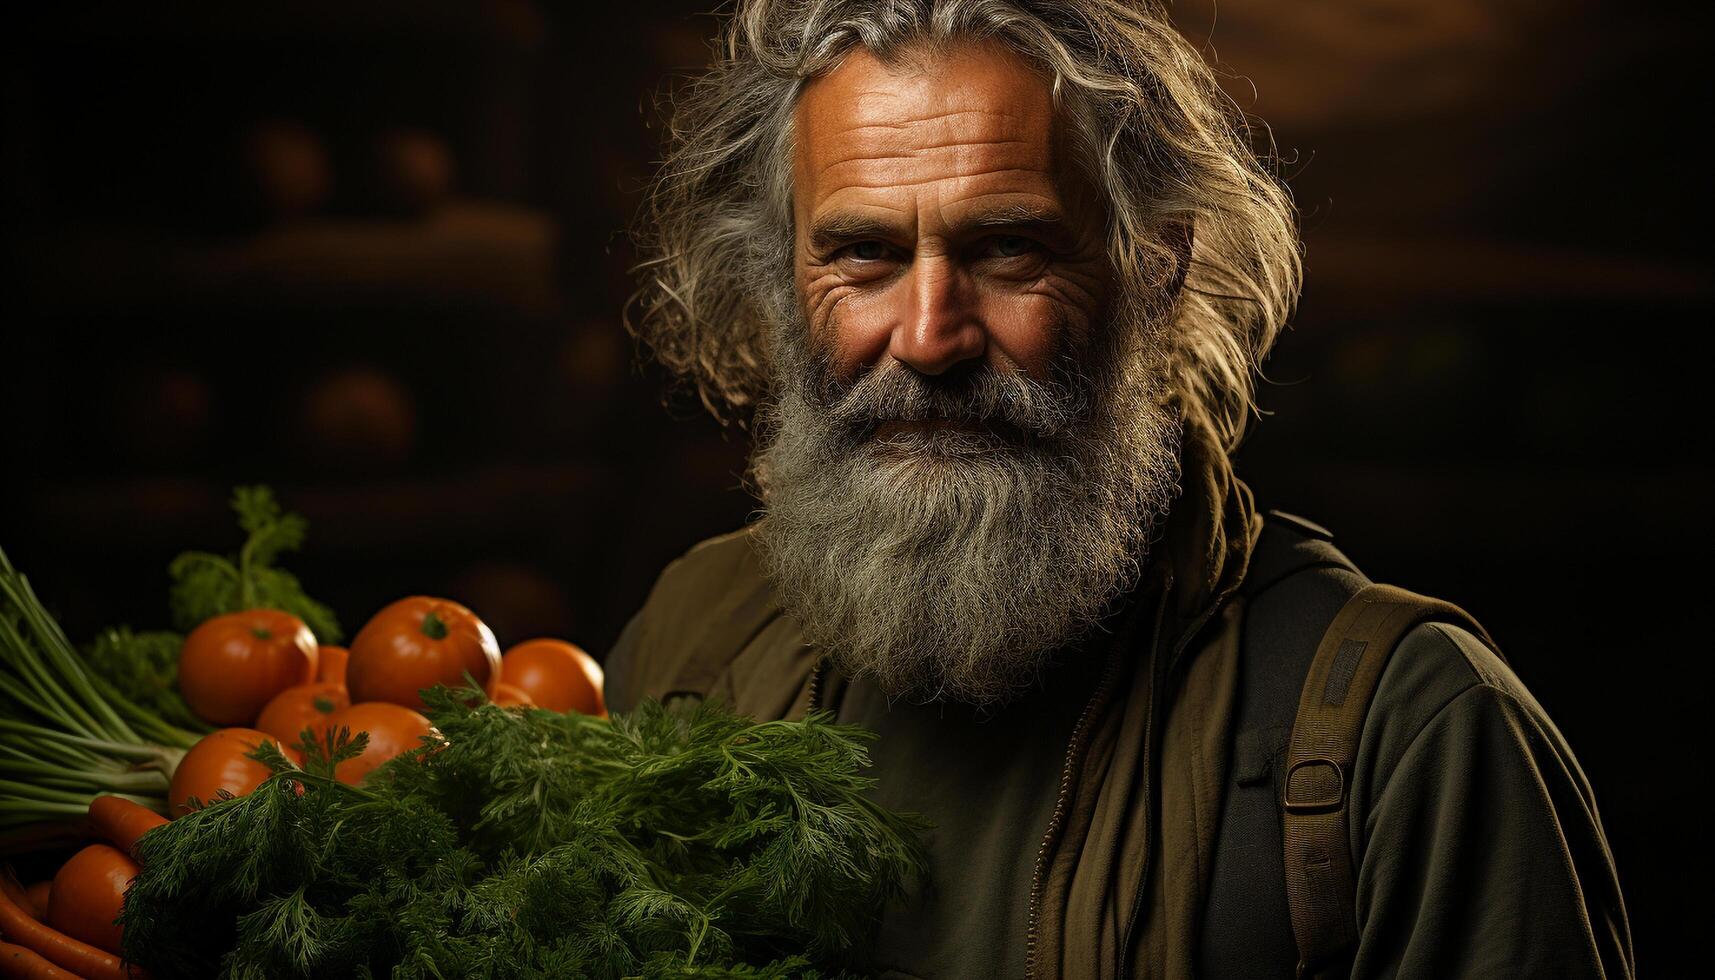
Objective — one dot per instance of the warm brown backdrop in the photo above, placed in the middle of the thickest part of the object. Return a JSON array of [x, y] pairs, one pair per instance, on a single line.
[[371, 253]]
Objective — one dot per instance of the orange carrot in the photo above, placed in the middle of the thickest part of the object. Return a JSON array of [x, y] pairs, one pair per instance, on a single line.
[[23, 964], [63, 951], [15, 892], [120, 822], [38, 894]]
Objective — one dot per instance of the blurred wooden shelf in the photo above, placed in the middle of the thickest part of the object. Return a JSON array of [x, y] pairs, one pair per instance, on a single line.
[[463, 512], [465, 253], [1349, 269], [1559, 514]]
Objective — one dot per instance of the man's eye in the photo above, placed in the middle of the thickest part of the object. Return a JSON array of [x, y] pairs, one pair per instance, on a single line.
[[867, 251], [1013, 246]]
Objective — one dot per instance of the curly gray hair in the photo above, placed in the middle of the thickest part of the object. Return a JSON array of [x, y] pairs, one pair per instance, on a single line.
[[1155, 134]]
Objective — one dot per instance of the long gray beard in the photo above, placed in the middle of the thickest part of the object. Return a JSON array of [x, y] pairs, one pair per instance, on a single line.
[[951, 563]]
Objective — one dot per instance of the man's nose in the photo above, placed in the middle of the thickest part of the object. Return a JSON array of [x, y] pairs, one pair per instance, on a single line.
[[942, 329]]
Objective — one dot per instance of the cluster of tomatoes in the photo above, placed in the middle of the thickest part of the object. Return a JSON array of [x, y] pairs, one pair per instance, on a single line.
[[262, 669], [261, 673]]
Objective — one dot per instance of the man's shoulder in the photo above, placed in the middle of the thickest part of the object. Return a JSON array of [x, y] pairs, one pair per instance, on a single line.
[[1289, 552], [1298, 581], [703, 607], [1438, 661], [710, 567], [1467, 798], [1454, 753], [1438, 673]]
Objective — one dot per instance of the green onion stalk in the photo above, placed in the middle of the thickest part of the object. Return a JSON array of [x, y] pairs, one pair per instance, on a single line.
[[66, 734]]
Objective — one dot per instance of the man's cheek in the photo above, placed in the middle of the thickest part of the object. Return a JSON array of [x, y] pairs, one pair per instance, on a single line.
[[1030, 330], [857, 327]]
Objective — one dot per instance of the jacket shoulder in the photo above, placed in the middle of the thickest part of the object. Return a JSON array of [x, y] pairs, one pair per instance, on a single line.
[[710, 568], [1466, 798], [1287, 547], [1296, 583], [1437, 668], [697, 609]]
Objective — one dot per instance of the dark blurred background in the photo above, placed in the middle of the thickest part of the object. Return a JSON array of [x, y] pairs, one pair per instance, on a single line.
[[373, 254]]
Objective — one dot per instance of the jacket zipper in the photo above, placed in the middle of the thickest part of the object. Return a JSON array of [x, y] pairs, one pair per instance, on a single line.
[[816, 672], [1148, 747], [1074, 753]]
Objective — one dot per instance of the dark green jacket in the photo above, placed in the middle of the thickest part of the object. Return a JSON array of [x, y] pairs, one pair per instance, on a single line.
[[1155, 839]]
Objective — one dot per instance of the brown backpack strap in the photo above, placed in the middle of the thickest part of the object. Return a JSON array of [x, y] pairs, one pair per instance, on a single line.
[[1321, 881]]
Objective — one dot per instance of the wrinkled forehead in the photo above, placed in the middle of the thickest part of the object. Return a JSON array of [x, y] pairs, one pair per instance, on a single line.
[[969, 112]]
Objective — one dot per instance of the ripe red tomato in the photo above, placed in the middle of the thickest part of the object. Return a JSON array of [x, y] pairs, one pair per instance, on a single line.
[[232, 665], [87, 894], [219, 761], [392, 729], [557, 675], [331, 670], [301, 707], [417, 643]]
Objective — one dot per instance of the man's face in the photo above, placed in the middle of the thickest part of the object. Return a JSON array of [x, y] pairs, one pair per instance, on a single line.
[[939, 221], [967, 441]]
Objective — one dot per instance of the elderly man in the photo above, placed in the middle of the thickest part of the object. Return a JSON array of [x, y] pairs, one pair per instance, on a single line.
[[990, 280]]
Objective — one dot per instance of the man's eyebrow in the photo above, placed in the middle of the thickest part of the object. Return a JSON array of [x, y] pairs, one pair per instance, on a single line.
[[1020, 216], [831, 231]]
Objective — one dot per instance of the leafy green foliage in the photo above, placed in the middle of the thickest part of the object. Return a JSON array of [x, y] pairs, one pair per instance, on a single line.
[[668, 843], [206, 585], [145, 668], [66, 733]]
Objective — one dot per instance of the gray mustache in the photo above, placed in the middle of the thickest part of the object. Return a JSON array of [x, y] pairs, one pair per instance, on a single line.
[[1004, 401]]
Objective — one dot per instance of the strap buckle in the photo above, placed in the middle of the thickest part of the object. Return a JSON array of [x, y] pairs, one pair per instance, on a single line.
[[1312, 776]]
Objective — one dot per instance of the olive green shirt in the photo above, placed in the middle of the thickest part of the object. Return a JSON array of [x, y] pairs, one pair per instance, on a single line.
[[1479, 847]]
